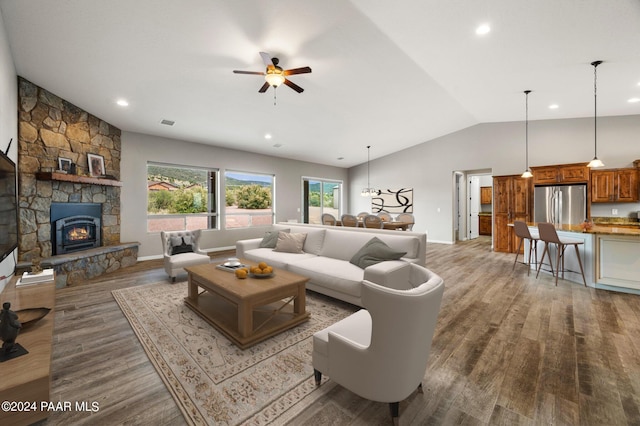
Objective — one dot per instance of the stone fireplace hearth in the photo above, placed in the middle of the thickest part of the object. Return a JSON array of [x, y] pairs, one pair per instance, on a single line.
[[51, 128]]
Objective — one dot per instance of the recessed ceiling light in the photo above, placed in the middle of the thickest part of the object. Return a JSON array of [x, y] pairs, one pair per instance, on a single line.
[[268, 136], [554, 106], [122, 102], [634, 100], [483, 29], [340, 158], [277, 145]]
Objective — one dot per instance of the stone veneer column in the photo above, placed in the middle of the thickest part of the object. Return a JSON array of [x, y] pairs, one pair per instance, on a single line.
[[48, 128]]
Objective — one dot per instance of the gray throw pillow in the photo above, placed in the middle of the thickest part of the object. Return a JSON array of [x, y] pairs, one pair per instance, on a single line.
[[290, 242], [375, 251], [181, 245], [271, 238]]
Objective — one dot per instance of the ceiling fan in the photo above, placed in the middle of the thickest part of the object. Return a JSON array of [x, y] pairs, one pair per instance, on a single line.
[[275, 75]]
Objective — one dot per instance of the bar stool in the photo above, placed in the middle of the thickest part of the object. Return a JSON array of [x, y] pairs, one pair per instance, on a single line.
[[522, 231], [549, 235]]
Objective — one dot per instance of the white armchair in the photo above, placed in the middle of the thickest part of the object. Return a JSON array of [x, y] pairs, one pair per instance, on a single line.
[[381, 353], [181, 249]]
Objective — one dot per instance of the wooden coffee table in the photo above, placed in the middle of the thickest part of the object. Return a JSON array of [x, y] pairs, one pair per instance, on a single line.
[[250, 310]]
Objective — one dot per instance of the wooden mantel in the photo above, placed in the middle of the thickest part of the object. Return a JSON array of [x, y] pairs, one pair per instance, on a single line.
[[77, 179]]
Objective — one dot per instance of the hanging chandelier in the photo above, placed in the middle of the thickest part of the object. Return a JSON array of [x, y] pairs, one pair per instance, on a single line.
[[527, 172], [369, 191], [595, 162]]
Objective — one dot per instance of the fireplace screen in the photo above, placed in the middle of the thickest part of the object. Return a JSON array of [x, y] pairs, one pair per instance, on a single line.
[[77, 233]]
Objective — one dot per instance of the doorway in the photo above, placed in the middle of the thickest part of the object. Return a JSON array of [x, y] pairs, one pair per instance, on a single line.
[[468, 208]]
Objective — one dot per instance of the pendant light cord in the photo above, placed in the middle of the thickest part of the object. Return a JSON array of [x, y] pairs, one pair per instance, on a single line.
[[368, 168], [526, 127], [595, 108]]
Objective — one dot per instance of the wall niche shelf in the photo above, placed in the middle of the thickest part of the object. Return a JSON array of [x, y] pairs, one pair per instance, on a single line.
[[77, 179]]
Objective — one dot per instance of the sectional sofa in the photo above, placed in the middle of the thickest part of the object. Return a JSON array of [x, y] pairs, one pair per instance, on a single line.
[[326, 254]]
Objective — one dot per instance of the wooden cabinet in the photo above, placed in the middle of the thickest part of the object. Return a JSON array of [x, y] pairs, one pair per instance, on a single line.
[[614, 186], [484, 224], [28, 378], [564, 173], [512, 201], [486, 194]]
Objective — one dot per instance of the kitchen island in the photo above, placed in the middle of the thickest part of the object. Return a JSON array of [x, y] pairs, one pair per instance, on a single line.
[[610, 256]]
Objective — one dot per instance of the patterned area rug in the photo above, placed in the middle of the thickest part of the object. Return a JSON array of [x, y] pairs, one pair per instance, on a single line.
[[213, 381]]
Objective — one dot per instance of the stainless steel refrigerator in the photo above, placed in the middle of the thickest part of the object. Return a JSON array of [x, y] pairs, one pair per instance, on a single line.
[[560, 204]]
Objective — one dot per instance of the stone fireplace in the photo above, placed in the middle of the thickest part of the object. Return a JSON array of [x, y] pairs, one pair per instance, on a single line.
[[51, 128]]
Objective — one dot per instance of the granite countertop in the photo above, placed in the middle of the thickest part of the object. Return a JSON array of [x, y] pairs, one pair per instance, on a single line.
[[616, 221], [484, 213], [599, 229]]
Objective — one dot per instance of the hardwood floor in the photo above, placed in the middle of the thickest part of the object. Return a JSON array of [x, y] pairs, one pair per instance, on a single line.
[[508, 349]]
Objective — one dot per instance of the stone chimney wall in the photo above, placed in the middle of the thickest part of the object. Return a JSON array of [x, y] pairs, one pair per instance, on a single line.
[[48, 128]]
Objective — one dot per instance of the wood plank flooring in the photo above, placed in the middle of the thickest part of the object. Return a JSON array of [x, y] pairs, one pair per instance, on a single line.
[[509, 349]]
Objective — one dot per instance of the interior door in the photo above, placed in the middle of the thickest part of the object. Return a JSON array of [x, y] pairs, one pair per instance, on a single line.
[[474, 207]]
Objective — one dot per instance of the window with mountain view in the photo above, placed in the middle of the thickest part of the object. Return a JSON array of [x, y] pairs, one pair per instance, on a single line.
[[181, 198], [249, 199]]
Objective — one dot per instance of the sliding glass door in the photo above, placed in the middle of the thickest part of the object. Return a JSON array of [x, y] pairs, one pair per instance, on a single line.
[[320, 196]]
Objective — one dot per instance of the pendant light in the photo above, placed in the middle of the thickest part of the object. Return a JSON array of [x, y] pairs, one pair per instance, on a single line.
[[595, 162], [368, 191], [527, 173]]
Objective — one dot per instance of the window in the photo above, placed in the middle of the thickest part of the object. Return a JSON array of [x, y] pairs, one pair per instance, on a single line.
[[249, 199], [181, 198], [321, 196]]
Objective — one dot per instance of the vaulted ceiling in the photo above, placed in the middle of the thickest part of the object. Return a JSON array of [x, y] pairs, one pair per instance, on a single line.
[[386, 74]]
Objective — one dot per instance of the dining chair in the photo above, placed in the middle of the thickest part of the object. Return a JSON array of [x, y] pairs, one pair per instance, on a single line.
[[328, 219], [386, 217], [523, 233], [406, 217], [349, 220], [362, 215], [372, 221], [549, 236]]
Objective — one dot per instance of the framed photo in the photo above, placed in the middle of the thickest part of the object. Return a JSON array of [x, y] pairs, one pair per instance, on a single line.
[[64, 164], [96, 165]]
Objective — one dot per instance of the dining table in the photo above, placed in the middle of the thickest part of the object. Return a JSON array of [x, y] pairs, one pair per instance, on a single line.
[[393, 225]]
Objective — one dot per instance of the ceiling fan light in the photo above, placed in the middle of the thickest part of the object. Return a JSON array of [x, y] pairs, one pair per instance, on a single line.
[[274, 80]]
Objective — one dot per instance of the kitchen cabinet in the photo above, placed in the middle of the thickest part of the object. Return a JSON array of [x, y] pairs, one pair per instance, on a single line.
[[563, 173], [486, 194], [512, 201], [484, 224], [614, 186]]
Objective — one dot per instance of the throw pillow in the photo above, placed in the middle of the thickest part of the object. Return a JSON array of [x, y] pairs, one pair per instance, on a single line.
[[290, 242], [271, 238], [181, 245], [375, 251]]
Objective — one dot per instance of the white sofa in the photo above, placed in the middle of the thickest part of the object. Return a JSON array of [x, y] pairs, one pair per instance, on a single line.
[[326, 254]]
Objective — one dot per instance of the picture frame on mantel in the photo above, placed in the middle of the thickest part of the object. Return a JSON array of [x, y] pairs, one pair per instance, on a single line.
[[96, 165], [64, 164]]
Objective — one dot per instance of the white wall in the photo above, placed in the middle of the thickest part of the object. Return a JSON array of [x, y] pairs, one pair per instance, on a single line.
[[8, 121], [138, 149], [500, 147]]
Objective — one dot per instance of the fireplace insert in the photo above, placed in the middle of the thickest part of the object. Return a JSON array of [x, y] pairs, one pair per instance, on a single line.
[[75, 226], [75, 233]]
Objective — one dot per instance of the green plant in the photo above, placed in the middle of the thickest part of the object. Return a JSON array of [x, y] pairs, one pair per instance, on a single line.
[[253, 197]]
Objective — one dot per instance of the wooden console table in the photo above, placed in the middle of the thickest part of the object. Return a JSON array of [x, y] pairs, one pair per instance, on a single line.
[[28, 377]]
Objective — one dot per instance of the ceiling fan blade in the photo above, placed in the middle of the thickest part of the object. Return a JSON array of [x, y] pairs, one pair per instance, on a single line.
[[293, 86], [302, 70], [266, 58], [248, 72], [264, 87]]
